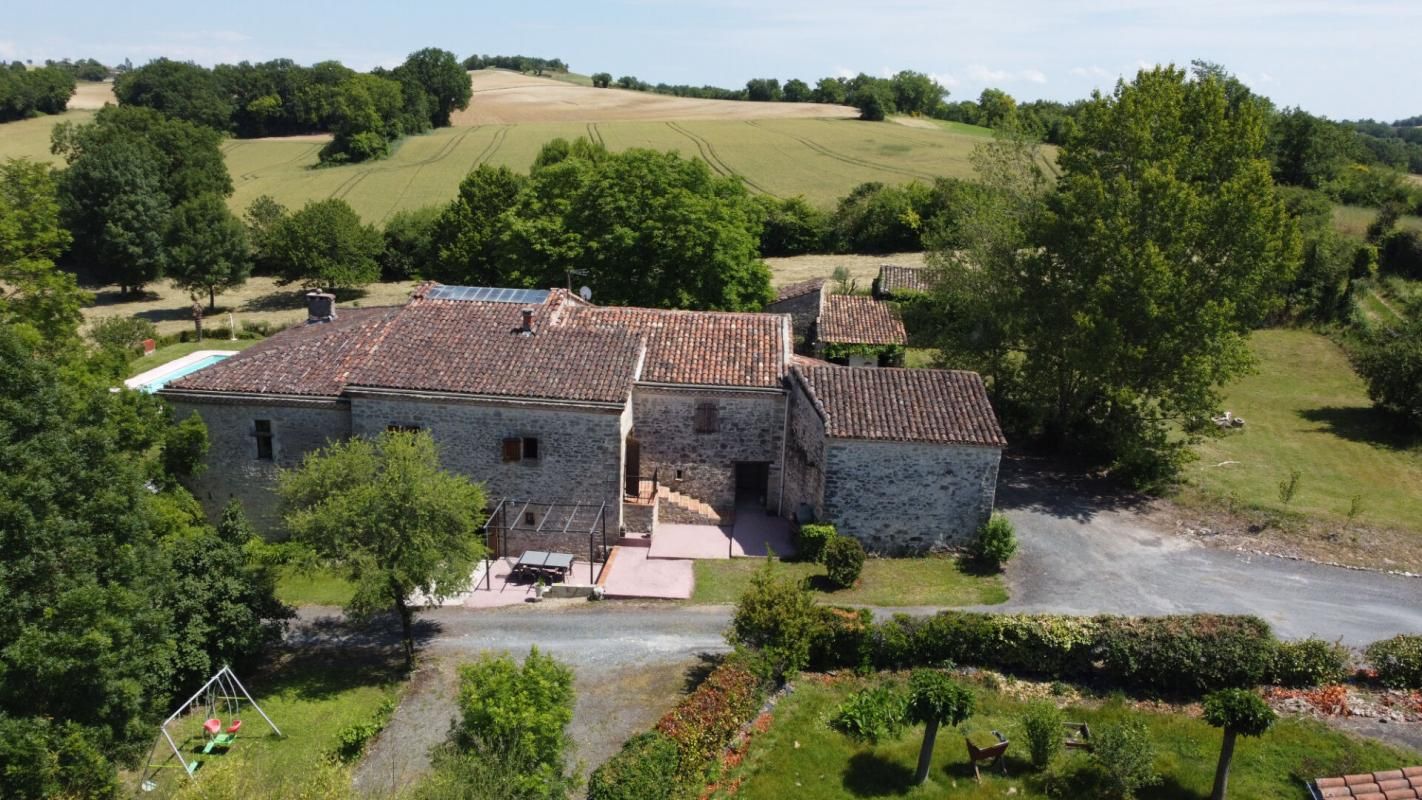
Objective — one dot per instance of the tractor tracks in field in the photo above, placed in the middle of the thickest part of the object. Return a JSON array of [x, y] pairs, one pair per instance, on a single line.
[[714, 160], [491, 148], [595, 135], [843, 158], [299, 157]]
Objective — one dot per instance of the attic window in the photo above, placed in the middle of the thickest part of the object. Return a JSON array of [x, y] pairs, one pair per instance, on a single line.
[[520, 448], [706, 419]]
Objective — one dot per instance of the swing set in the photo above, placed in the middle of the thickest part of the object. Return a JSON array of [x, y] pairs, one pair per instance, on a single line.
[[222, 696]]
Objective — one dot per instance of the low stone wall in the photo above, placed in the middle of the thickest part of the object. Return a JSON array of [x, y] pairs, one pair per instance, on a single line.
[[638, 518]]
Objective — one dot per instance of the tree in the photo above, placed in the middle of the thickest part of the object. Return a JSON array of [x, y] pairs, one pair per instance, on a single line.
[[522, 711], [995, 108], [180, 89], [387, 514], [1309, 151], [1241, 713], [26, 92], [790, 227], [1390, 361], [1121, 300], [935, 698], [763, 90], [1125, 755], [410, 247], [775, 620], [797, 91], [32, 290], [207, 248], [467, 235], [829, 90], [261, 219], [443, 80], [325, 244], [915, 92], [602, 80], [875, 102]]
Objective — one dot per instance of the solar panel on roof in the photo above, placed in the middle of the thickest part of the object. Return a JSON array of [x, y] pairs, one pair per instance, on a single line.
[[490, 294]]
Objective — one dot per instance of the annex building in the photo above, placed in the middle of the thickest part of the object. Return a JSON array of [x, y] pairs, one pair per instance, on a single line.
[[659, 415]]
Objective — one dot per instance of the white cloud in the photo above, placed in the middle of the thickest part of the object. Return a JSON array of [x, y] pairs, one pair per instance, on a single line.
[[1092, 71], [844, 72], [8, 51], [1265, 77], [945, 79], [1033, 75], [981, 74]]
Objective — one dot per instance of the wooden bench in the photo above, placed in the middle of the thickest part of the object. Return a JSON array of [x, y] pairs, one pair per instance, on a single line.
[[992, 754], [1078, 736]]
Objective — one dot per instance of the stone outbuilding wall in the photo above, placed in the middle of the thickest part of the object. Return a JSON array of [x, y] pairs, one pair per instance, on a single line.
[[804, 456], [803, 309], [234, 470], [898, 497], [749, 428]]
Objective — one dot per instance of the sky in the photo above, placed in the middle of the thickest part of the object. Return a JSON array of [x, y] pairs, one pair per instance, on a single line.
[[1342, 58]]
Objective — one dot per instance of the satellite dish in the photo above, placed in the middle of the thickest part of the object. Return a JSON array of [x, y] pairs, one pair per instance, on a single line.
[[585, 293]]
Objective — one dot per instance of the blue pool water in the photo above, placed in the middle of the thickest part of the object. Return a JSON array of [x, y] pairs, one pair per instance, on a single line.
[[181, 372]]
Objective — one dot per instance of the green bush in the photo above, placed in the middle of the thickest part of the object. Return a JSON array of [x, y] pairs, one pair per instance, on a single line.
[[352, 739], [1042, 723], [893, 644], [812, 539], [873, 714], [704, 722], [639, 771], [841, 638], [520, 712], [1398, 661], [1060, 646], [996, 542], [1190, 654], [1126, 757], [774, 623], [1310, 662], [123, 334], [39, 760], [844, 560]]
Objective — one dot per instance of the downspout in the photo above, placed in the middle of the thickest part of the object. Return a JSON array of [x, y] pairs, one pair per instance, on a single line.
[[787, 339]]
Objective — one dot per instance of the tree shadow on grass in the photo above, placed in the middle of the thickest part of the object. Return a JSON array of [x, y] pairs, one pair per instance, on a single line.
[[872, 775], [321, 674], [1363, 424], [293, 298]]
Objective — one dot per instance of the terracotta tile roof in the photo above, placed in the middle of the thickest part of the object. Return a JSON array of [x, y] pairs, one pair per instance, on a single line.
[[902, 405], [792, 290], [1393, 784], [311, 360], [471, 348], [854, 319], [715, 348], [894, 279]]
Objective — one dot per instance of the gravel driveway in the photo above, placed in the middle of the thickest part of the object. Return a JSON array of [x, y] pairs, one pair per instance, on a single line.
[[1084, 553]]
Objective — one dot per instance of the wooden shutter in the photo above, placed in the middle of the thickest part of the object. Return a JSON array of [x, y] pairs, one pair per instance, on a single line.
[[706, 418], [513, 448]]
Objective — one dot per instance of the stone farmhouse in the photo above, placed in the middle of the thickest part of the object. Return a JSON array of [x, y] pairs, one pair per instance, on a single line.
[[663, 416], [852, 330]]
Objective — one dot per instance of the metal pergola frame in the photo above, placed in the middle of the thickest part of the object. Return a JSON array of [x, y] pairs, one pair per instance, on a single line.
[[560, 517], [227, 686]]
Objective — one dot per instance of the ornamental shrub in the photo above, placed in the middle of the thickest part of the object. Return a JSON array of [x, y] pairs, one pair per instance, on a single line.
[[517, 709], [1126, 757], [1060, 646], [1042, 723], [704, 722], [1398, 661], [1186, 654], [996, 542], [812, 540], [894, 643], [873, 714], [841, 638], [641, 770], [1310, 662], [844, 560], [774, 623]]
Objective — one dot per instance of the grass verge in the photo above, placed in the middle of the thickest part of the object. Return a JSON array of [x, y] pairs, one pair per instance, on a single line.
[[318, 587], [800, 756], [884, 582]]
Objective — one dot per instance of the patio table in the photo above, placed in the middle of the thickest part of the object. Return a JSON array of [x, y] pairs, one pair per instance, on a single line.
[[544, 564]]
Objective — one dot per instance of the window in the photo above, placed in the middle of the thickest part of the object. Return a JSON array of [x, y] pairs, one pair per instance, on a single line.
[[680, 475], [263, 431], [520, 448], [529, 518], [706, 421]]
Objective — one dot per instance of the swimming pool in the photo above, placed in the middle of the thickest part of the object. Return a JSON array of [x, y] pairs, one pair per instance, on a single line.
[[158, 377]]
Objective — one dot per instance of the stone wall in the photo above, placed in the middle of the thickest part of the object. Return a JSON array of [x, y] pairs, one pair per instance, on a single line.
[[580, 449], [908, 497], [804, 456], [803, 311], [233, 469], [750, 427]]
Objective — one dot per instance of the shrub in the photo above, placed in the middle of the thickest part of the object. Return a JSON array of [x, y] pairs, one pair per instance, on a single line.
[[1190, 654], [894, 644], [704, 722], [872, 715], [841, 638], [352, 739], [521, 711], [812, 540], [996, 542], [1042, 723], [124, 334], [1398, 661], [1043, 644], [1126, 757], [1310, 662], [774, 623], [844, 560], [639, 771], [39, 759]]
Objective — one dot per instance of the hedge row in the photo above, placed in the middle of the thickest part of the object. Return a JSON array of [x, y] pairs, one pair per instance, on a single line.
[[1186, 654], [679, 756]]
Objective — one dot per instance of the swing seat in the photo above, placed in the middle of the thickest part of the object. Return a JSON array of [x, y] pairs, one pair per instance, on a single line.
[[235, 726], [212, 726]]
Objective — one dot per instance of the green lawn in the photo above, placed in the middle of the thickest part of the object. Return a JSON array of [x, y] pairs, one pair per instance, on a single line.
[[173, 352], [800, 756], [884, 582], [1307, 410], [318, 587], [310, 697]]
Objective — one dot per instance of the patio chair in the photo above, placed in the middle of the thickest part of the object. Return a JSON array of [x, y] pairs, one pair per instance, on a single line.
[[992, 754]]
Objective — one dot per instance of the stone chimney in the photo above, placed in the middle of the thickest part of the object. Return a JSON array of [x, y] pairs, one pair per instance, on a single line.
[[526, 328], [320, 307]]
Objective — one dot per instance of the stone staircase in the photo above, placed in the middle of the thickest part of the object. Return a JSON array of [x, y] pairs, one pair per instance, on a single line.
[[682, 509]]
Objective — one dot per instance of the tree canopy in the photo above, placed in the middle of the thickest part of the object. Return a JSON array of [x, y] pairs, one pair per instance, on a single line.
[[384, 511], [207, 247], [324, 245], [32, 291]]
